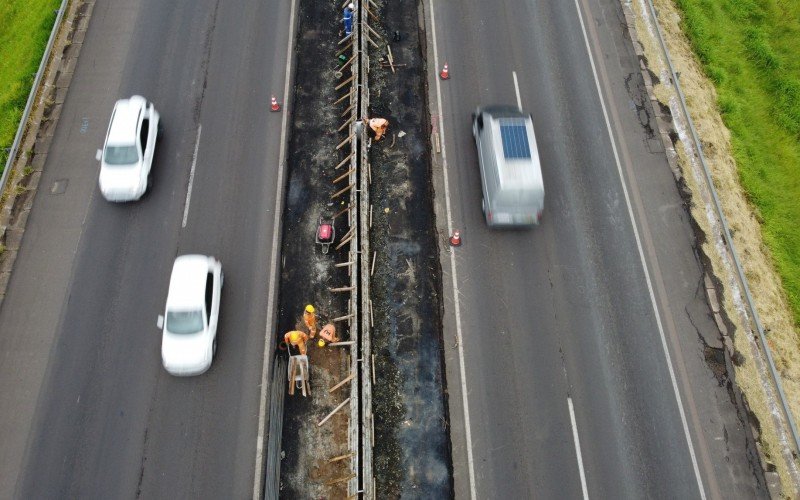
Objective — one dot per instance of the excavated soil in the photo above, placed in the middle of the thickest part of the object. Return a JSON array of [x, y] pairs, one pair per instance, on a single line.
[[306, 274], [412, 441]]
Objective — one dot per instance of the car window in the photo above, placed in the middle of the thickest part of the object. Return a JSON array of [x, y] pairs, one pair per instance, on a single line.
[[209, 293], [121, 155], [184, 321], [143, 133]]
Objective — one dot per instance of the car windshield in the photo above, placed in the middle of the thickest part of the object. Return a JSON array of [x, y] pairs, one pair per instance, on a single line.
[[121, 155], [184, 321]]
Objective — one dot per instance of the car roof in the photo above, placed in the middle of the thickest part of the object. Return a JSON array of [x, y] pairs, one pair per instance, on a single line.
[[187, 284], [124, 120], [515, 151]]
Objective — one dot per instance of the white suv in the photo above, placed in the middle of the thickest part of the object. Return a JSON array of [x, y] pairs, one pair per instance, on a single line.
[[189, 323], [127, 154]]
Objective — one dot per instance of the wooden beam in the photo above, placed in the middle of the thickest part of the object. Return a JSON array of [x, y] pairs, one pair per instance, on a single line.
[[336, 180], [329, 415], [346, 380], [341, 51], [341, 144], [345, 82], [341, 457], [337, 101], [342, 191], [345, 124]]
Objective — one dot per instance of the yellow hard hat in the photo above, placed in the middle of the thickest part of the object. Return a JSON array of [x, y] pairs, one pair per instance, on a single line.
[[321, 343], [310, 308], [295, 336]]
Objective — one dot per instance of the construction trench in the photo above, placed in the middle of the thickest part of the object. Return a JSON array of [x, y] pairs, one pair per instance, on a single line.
[[372, 420]]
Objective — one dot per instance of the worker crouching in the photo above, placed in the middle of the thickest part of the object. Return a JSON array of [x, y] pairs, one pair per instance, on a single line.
[[327, 334], [378, 125]]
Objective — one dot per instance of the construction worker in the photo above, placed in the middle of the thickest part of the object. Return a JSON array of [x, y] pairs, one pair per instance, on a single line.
[[296, 339], [310, 319], [378, 125], [348, 18], [328, 333]]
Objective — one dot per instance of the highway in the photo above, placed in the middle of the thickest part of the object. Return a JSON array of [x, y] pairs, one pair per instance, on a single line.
[[564, 329], [88, 411], [570, 341]]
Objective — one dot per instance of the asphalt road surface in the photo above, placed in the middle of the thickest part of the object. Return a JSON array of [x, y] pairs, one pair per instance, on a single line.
[[79, 321], [569, 391], [555, 316]]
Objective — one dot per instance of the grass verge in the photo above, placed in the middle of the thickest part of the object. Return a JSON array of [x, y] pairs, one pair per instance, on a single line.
[[26, 28], [748, 48]]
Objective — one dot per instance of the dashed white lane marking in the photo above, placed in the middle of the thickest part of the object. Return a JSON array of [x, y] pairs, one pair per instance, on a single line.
[[671, 370], [191, 177], [516, 89], [578, 449], [262, 408], [456, 293]]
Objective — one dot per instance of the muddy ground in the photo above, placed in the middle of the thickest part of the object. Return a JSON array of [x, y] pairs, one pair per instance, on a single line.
[[306, 274], [412, 443]]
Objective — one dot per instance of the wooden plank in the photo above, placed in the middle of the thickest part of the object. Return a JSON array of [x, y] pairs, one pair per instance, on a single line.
[[329, 415], [346, 380], [341, 457]]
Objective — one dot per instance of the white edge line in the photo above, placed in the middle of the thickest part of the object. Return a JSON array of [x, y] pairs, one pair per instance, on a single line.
[[672, 377], [262, 408], [516, 89], [459, 339], [191, 177], [578, 448]]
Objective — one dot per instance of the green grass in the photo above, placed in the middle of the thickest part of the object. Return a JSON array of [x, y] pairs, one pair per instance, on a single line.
[[751, 51], [25, 28]]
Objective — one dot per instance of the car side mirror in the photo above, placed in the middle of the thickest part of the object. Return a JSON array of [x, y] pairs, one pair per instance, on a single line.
[[160, 322], [98, 155]]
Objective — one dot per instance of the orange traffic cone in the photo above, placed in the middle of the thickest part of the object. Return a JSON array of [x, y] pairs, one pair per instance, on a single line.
[[275, 106], [455, 240], [445, 74]]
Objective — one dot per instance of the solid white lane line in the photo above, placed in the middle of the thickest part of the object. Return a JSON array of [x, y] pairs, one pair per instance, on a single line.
[[456, 292], [643, 261], [516, 89], [191, 177], [273, 265], [578, 449]]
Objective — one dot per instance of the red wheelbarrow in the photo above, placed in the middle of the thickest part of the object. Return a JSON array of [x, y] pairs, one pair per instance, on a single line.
[[325, 233]]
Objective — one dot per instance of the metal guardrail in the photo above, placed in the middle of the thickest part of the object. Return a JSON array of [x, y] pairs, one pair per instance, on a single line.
[[12, 154], [726, 233]]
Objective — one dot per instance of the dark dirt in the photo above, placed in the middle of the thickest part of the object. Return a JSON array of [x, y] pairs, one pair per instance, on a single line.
[[412, 441], [306, 274]]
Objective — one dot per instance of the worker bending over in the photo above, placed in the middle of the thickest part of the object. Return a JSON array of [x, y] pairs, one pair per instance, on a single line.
[[378, 125], [296, 339]]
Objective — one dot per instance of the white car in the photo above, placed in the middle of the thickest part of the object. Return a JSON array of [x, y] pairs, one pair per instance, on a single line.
[[127, 154], [189, 324]]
